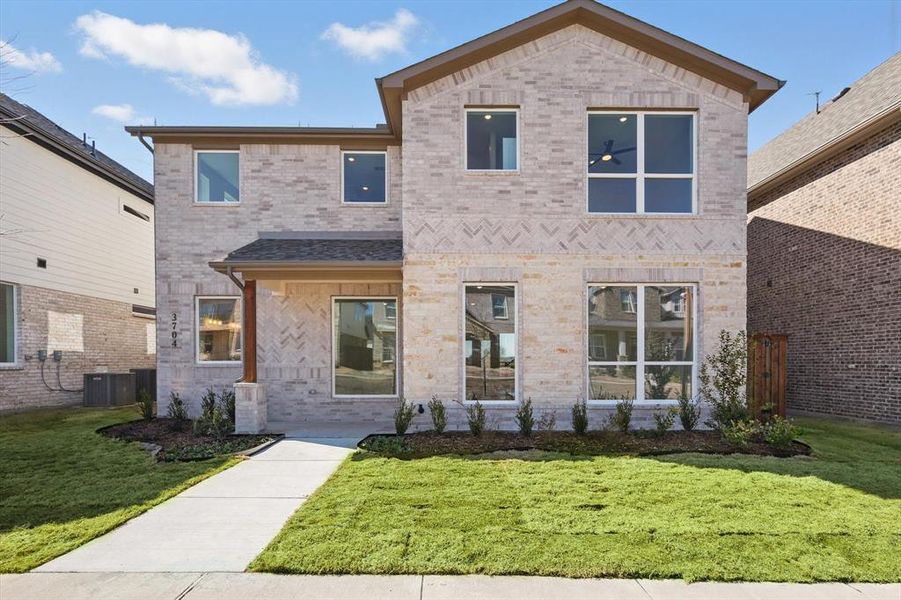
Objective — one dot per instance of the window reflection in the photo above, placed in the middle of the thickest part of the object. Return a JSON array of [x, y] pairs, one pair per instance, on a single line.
[[365, 347], [490, 342], [218, 329]]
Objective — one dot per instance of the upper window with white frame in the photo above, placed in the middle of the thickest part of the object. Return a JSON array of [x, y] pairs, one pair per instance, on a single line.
[[642, 163], [492, 141], [646, 354], [7, 324], [218, 330], [217, 177], [364, 177]]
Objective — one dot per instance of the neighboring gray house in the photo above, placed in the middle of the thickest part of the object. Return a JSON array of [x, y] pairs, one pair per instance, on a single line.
[[574, 155], [76, 263], [824, 250]]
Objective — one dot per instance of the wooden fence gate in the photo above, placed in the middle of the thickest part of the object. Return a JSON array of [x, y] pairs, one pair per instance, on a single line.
[[766, 373]]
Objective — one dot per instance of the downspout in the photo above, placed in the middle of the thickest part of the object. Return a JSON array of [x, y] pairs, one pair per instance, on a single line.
[[143, 141]]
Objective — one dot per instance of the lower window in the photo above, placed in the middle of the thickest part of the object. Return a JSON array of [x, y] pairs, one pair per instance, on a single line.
[[219, 329], [365, 346], [489, 345], [7, 323], [640, 342]]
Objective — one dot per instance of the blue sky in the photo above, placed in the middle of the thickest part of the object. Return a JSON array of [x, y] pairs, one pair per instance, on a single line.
[[96, 64]]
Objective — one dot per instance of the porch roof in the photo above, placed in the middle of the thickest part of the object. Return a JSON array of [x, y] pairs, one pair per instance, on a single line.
[[316, 250]]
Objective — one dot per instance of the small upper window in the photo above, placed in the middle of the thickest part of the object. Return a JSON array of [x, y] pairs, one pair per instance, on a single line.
[[364, 177], [217, 176], [7, 324], [491, 140], [641, 163]]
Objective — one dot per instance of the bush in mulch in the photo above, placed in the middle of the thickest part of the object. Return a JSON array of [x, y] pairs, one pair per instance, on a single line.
[[179, 443], [429, 443]]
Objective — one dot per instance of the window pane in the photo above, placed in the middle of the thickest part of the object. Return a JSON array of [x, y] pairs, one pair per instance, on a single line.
[[669, 382], [364, 177], [668, 144], [490, 342], [219, 329], [668, 323], [7, 324], [365, 347], [667, 195], [613, 322], [217, 177], [491, 140], [611, 195], [612, 145], [612, 382]]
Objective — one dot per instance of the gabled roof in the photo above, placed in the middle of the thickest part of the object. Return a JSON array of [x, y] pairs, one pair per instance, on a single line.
[[869, 104], [755, 85], [28, 122]]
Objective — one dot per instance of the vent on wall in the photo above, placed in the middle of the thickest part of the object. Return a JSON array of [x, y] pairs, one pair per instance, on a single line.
[[135, 213], [147, 312]]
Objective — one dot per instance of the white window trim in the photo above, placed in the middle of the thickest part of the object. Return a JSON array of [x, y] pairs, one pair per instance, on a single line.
[[489, 109], [198, 201], [397, 333], [216, 363], [341, 185], [640, 400], [516, 358], [15, 349], [640, 176]]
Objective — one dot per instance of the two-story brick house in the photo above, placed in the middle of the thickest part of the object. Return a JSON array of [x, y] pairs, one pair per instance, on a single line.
[[573, 160]]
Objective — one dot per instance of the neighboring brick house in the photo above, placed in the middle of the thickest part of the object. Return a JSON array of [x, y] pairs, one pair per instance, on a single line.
[[76, 263], [564, 162], [824, 250]]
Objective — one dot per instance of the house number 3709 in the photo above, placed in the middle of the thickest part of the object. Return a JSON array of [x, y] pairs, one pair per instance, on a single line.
[[175, 330]]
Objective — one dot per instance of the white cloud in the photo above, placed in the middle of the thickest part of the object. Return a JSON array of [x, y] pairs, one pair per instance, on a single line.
[[38, 62], [122, 113], [223, 67], [374, 40]]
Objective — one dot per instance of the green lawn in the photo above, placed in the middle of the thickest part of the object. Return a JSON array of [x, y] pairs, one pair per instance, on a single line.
[[62, 484], [836, 516]]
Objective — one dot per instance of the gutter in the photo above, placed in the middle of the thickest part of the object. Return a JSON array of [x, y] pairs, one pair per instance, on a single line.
[[228, 267]]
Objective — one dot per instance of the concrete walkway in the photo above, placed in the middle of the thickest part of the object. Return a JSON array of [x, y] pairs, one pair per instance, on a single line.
[[220, 524], [247, 586]]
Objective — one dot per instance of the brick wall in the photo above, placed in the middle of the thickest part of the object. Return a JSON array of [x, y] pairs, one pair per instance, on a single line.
[[93, 334], [824, 267]]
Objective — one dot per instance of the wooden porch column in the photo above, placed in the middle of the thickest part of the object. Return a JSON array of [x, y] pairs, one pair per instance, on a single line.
[[250, 331]]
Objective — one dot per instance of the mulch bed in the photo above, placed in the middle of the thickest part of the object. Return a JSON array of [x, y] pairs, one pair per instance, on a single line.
[[182, 444], [429, 443]]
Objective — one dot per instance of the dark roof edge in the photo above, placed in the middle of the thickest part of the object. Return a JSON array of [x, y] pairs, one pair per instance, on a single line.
[[262, 265], [36, 135], [309, 134], [837, 144], [330, 235]]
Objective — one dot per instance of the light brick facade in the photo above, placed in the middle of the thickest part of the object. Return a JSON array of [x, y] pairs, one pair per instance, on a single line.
[[94, 335], [530, 228], [824, 267]]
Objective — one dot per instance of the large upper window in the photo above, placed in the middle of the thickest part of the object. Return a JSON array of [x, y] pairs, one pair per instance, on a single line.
[[646, 354], [641, 162], [364, 177], [7, 324], [491, 140], [216, 176], [365, 346], [489, 353], [218, 329]]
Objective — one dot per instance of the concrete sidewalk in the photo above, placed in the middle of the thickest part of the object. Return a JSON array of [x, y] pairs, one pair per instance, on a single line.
[[249, 586], [220, 524]]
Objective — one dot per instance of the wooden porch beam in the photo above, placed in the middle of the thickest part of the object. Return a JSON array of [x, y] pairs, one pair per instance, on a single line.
[[250, 331]]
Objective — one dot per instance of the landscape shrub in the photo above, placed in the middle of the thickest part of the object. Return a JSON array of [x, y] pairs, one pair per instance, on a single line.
[[580, 417], [145, 404], [439, 416], [475, 418], [548, 421], [723, 378], [403, 416], [663, 421], [208, 404], [524, 417], [178, 412], [227, 401], [742, 432], [622, 415], [689, 412], [780, 432]]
